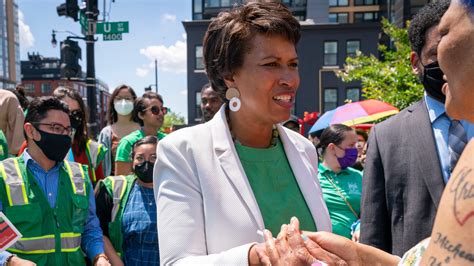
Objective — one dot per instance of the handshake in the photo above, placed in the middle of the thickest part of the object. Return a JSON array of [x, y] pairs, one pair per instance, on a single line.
[[295, 247]]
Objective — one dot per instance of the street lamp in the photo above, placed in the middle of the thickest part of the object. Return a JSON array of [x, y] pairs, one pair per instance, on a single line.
[[324, 69]]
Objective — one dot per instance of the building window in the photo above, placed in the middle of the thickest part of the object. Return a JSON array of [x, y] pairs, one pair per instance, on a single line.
[[366, 2], [198, 107], [353, 94], [199, 58], [45, 88], [352, 47], [338, 2], [330, 99], [330, 53], [366, 16], [219, 3], [30, 88], [339, 17]]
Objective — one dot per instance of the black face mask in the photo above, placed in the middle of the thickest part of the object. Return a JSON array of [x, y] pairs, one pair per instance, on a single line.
[[433, 81], [144, 171], [76, 119], [54, 146]]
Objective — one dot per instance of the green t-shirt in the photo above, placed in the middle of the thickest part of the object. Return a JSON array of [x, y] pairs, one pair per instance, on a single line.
[[124, 149], [349, 183], [275, 187], [3, 146]]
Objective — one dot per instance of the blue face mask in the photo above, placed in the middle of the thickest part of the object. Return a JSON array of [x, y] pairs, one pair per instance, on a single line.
[[349, 158]]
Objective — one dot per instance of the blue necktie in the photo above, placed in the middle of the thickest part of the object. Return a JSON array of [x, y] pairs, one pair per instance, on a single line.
[[457, 140]]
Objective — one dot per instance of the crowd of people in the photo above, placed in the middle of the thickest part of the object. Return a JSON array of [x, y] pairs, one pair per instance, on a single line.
[[217, 193]]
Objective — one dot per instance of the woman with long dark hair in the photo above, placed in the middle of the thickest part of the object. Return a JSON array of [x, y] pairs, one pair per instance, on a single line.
[[84, 150], [120, 124]]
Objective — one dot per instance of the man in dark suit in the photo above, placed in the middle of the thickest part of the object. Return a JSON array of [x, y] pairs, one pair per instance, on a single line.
[[408, 158]]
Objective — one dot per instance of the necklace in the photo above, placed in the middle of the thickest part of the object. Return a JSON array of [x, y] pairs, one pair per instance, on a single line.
[[275, 133], [144, 193]]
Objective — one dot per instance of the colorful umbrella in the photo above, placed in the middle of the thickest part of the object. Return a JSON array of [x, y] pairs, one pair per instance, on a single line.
[[354, 113]]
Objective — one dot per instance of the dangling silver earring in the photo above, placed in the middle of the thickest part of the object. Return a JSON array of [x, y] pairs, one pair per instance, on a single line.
[[232, 94]]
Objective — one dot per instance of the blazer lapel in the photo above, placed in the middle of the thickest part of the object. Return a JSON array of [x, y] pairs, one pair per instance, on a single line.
[[306, 175], [230, 163], [422, 133]]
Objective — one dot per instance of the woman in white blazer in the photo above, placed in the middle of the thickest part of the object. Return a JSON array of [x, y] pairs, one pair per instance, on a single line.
[[213, 198]]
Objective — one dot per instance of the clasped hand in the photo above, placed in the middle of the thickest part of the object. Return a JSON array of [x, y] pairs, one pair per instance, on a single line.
[[291, 247]]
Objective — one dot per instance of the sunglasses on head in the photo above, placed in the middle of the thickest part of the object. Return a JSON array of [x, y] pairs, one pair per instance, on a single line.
[[156, 110]]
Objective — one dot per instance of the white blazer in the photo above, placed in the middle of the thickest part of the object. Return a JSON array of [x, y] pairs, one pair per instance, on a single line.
[[207, 212]]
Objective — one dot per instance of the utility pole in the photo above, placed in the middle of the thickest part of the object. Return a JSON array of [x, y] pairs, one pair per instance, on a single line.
[[91, 15], [156, 75]]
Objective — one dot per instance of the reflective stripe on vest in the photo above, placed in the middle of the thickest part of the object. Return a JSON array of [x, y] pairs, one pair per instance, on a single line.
[[119, 185], [93, 148], [70, 242], [16, 191], [76, 174]]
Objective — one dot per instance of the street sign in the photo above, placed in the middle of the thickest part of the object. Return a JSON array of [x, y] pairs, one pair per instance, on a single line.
[[83, 21], [112, 27], [112, 37]]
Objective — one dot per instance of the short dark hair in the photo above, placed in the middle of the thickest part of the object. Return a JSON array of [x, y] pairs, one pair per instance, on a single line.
[[228, 37], [140, 106], [205, 87], [81, 135], [427, 17], [111, 113], [219, 92], [332, 134], [362, 133], [39, 107], [143, 141]]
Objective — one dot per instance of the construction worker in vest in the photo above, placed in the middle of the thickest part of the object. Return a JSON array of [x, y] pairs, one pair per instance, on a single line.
[[127, 211], [83, 150], [49, 200]]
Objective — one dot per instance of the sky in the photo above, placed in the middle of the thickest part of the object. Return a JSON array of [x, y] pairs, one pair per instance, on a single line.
[[155, 31]]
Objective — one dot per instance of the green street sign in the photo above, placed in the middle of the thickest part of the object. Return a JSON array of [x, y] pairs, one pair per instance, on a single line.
[[83, 20], [112, 27], [112, 37]]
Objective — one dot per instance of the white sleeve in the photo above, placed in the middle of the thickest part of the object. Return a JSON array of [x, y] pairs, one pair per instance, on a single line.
[[181, 221]]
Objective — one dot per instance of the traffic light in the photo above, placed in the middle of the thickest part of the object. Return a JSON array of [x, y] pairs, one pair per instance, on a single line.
[[69, 9], [70, 55]]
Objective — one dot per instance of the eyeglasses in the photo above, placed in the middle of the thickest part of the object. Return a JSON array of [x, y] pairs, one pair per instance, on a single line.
[[57, 129], [156, 110]]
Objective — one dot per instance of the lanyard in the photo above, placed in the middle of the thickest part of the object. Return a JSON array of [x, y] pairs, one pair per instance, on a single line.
[[341, 194]]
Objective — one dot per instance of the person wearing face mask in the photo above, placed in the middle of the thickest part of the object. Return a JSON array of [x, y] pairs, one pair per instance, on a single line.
[[120, 124], [410, 156], [127, 210], [84, 150], [341, 184], [48, 199], [150, 113]]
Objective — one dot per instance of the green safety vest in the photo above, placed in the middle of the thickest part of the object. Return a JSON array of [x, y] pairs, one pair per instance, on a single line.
[[118, 188], [3, 146], [50, 236], [95, 154]]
